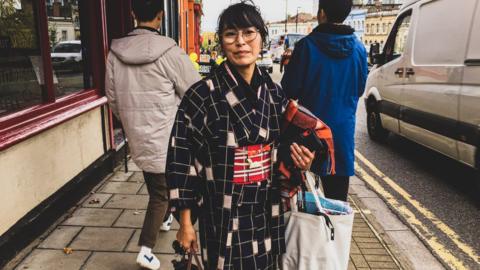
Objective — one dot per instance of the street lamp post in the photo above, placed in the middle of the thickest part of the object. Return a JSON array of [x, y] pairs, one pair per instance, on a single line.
[[286, 15]]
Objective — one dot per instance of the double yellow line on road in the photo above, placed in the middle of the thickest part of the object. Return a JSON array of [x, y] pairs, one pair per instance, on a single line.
[[423, 231]]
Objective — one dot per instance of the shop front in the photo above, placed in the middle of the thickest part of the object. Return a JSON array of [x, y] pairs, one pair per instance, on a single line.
[[57, 135]]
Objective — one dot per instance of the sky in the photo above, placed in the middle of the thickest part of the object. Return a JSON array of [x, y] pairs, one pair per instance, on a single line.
[[272, 10]]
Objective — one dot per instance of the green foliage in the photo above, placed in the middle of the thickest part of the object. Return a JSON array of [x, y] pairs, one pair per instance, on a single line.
[[18, 24]]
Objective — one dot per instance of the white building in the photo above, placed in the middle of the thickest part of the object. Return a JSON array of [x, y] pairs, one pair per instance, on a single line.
[[356, 20], [305, 24]]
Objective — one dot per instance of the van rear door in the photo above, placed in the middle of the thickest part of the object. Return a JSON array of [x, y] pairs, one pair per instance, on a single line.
[[433, 78], [469, 112]]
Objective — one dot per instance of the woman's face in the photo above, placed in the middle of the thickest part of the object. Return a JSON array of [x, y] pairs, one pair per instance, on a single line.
[[242, 46]]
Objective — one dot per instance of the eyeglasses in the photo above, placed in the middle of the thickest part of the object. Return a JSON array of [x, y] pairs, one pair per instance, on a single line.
[[248, 35]]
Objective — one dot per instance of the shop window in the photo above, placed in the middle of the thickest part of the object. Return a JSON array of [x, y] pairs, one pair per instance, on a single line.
[[20, 59], [68, 51]]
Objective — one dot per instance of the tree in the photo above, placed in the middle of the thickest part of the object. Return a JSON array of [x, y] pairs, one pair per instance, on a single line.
[[18, 25]]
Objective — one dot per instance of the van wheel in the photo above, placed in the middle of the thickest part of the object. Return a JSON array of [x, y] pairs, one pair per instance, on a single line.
[[375, 129], [477, 179]]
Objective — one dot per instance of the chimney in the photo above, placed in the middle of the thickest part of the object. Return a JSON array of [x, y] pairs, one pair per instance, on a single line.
[[56, 8]]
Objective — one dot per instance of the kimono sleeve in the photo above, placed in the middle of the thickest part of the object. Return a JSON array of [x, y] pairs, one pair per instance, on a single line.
[[186, 138], [294, 77]]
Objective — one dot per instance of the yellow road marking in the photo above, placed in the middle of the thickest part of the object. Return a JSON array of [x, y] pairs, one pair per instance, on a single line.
[[423, 210], [418, 227]]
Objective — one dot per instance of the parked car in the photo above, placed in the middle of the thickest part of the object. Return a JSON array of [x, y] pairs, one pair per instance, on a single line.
[[292, 39], [265, 61], [425, 84], [67, 55]]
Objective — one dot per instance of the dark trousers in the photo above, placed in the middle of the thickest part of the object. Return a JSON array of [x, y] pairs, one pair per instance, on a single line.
[[156, 209], [336, 187]]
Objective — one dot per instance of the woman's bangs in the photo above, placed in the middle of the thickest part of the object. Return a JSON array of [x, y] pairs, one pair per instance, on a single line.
[[238, 20]]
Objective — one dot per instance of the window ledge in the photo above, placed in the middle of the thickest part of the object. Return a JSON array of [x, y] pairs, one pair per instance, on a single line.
[[19, 126]]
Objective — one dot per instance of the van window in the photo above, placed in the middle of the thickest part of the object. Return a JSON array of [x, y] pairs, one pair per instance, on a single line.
[[442, 32], [474, 46], [401, 37], [397, 40]]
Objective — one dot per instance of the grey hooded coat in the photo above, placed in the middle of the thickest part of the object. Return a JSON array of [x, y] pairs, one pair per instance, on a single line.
[[147, 75]]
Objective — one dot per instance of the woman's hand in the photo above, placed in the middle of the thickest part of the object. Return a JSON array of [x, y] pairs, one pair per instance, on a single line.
[[186, 235], [301, 156]]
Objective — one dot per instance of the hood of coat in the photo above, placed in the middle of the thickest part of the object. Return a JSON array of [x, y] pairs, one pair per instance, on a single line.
[[337, 41], [141, 46]]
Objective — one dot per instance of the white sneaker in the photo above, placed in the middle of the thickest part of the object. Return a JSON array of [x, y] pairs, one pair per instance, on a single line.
[[147, 260], [167, 224]]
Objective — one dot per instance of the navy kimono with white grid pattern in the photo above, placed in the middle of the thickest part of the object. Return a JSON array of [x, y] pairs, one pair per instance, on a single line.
[[241, 226]]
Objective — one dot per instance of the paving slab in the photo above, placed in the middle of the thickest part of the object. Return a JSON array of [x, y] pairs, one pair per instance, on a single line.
[[163, 244], [60, 237], [409, 245], [121, 188], [388, 220], [120, 176], [93, 217], [130, 219], [124, 201], [132, 245], [143, 190], [96, 200], [166, 261], [362, 192], [136, 177], [132, 167], [112, 260], [44, 259], [102, 239]]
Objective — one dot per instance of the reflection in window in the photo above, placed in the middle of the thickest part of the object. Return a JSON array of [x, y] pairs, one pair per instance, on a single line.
[[401, 38], [21, 67], [67, 51]]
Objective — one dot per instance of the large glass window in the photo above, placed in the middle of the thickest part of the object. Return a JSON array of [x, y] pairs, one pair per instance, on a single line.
[[21, 76], [68, 51]]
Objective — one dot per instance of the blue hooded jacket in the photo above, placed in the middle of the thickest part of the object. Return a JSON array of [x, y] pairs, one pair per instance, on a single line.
[[327, 74]]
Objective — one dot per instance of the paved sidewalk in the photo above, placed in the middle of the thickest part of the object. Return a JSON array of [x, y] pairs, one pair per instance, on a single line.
[[102, 233]]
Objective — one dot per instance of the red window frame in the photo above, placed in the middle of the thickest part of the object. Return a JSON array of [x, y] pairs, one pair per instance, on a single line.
[[21, 125]]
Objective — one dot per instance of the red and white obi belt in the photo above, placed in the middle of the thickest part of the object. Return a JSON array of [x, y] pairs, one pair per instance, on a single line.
[[252, 164]]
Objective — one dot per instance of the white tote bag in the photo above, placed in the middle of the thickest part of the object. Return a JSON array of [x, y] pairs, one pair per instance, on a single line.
[[313, 243]]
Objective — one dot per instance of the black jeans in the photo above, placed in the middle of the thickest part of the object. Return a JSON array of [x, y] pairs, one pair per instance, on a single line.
[[336, 187], [156, 210]]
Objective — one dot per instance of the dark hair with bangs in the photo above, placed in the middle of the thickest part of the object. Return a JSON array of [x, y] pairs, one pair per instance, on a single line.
[[242, 15], [146, 10]]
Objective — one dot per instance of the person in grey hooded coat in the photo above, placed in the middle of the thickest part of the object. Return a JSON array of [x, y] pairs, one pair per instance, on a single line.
[[146, 76]]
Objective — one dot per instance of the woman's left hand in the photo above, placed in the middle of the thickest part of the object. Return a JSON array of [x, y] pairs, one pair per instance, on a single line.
[[301, 156]]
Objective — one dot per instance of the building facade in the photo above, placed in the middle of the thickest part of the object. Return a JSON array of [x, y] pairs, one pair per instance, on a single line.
[[378, 26], [303, 25], [356, 20]]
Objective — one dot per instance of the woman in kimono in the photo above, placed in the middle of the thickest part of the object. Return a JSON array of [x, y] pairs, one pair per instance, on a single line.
[[222, 150]]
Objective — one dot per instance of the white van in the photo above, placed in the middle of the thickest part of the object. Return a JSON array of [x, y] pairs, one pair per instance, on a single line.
[[425, 85]]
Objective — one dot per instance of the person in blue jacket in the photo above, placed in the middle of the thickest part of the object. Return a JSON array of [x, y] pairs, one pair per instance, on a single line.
[[327, 75]]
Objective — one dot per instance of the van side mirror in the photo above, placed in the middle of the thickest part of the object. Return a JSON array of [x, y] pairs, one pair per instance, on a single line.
[[378, 59]]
